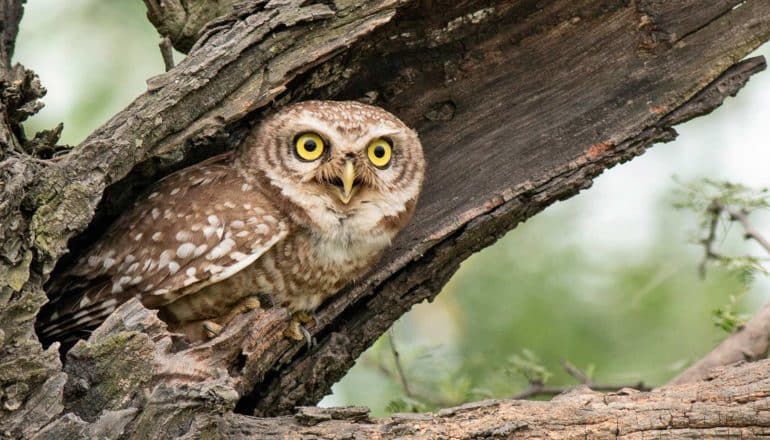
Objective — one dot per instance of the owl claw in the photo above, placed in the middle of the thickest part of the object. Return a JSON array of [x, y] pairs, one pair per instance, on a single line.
[[211, 329], [309, 339], [297, 330]]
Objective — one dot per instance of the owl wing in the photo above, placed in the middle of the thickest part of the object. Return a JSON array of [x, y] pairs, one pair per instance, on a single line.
[[196, 227]]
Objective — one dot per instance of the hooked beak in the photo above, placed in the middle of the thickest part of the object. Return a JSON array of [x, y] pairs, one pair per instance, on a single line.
[[348, 178]]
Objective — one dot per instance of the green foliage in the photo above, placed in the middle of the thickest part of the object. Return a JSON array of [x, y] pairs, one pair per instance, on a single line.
[[529, 365], [716, 203], [700, 194], [727, 318]]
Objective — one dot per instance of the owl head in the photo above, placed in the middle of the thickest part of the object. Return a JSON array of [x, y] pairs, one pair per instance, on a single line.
[[338, 162]]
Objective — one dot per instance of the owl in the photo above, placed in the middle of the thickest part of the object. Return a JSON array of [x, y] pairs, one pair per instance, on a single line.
[[307, 204]]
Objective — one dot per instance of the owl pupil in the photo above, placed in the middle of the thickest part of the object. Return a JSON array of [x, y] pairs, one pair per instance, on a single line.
[[310, 145], [379, 151]]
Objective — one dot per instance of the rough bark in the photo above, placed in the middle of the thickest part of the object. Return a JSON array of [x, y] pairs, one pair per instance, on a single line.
[[519, 104], [731, 403]]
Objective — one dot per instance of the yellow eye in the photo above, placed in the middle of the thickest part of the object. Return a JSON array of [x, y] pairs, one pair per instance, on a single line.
[[379, 152], [309, 146]]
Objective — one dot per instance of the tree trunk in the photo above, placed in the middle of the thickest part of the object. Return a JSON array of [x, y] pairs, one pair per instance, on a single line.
[[518, 104]]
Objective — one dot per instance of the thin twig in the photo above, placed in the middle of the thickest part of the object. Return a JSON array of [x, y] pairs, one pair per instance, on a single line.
[[167, 52], [708, 243], [538, 388], [715, 210], [750, 232], [399, 367]]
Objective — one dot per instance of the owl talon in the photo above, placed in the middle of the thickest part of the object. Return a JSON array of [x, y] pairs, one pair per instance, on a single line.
[[309, 339], [305, 317], [297, 330], [247, 305], [211, 329]]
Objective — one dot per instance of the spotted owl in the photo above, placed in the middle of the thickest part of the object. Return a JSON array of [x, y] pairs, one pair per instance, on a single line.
[[307, 204]]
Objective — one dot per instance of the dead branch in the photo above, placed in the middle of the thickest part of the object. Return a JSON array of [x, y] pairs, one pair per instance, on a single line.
[[519, 104]]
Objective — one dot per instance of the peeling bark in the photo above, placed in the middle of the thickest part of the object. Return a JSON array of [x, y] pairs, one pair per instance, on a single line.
[[518, 104]]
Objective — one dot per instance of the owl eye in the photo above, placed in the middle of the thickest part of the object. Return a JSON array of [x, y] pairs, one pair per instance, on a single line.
[[379, 152], [309, 146]]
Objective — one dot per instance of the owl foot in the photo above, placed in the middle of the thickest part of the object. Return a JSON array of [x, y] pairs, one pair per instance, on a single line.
[[212, 329], [246, 305], [297, 330]]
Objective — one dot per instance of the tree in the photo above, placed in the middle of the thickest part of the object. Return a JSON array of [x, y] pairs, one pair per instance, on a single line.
[[519, 104]]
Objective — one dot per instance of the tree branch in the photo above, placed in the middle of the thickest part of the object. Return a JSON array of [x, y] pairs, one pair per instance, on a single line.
[[750, 232], [508, 125], [10, 16], [731, 404], [539, 389]]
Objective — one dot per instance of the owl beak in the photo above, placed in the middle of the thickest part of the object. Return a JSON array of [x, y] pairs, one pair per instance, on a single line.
[[348, 178]]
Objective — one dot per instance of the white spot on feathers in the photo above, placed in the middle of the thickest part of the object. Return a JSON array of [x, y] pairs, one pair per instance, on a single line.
[[108, 263], [213, 220], [221, 249], [200, 250], [173, 267], [189, 281], [183, 236], [185, 250], [237, 256], [165, 258], [157, 236], [214, 268]]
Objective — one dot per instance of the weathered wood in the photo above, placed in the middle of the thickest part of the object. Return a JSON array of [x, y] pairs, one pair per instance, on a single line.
[[519, 104], [732, 403]]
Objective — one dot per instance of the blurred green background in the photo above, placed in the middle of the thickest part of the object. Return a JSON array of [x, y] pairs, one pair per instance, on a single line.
[[606, 280]]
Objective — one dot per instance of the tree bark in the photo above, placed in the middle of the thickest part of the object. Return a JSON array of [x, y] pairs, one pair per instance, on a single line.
[[732, 403], [518, 104]]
